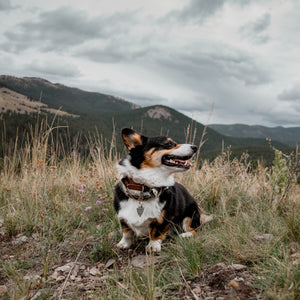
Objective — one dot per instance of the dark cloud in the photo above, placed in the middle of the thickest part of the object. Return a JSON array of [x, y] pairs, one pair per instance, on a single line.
[[211, 68], [292, 94], [5, 5], [63, 28], [115, 50], [199, 10], [255, 30], [196, 11]]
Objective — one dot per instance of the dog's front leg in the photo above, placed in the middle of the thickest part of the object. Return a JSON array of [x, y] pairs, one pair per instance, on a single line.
[[127, 238], [158, 233]]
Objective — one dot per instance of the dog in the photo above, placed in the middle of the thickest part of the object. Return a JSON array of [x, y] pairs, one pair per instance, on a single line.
[[147, 199]]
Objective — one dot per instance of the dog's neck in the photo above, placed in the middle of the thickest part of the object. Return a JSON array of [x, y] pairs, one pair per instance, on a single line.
[[152, 177]]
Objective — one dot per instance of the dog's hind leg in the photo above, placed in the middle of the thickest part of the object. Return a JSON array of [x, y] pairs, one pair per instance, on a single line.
[[127, 238], [187, 227]]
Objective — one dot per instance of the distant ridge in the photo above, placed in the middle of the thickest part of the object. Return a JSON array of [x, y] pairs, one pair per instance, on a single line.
[[289, 135]]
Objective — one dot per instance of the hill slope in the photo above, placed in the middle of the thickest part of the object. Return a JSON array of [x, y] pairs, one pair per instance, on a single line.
[[58, 96], [290, 136]]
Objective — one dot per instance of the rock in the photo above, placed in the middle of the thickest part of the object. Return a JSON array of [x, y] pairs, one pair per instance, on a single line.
[[60, 278], [21, 240], [266, 237], [141, 261], [205, 218], [3, 290], [239, 267], [197, 290], [32, 277], [37, 295], [95, 272], [234, 284], [217, 267], [54, 275], [296, 258], [110, 263], [72, 277], [64, 269], [1, 221]]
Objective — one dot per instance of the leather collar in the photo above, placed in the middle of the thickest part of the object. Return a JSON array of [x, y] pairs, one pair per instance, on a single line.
[[140, 192]]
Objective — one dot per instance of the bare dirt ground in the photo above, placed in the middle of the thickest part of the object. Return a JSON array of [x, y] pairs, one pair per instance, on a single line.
[[74, 274]]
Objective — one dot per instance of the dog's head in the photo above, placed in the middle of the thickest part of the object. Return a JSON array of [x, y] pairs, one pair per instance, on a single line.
[[154, 158]]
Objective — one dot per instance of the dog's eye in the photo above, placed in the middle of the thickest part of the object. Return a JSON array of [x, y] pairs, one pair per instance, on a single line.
[[170, 145]]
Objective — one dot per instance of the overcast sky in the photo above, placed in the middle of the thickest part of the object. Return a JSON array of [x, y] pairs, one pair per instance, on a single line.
[[243, 56]]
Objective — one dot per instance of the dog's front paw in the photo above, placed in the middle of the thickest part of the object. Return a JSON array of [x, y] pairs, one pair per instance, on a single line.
[[124, 244], [186, 234], [154, 246]]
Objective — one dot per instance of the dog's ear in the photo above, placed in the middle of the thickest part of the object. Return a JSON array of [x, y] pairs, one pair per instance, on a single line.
[[132, 138]]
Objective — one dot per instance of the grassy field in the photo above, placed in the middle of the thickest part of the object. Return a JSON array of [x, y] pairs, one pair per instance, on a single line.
[[58, 230]]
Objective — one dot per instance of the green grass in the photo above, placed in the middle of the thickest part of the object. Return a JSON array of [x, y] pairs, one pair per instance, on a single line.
[[66, 204]]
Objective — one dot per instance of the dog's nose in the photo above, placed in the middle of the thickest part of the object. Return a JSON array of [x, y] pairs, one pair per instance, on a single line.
[[194, 148]]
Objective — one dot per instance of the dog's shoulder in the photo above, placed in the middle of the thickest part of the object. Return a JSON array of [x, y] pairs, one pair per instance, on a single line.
[[119, 196], [177, 191]]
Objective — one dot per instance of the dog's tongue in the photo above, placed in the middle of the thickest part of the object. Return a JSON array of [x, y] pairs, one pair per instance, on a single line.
[[183, 162]]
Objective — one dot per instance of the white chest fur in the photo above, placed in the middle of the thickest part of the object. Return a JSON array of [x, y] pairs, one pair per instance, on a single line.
[[139, 224]]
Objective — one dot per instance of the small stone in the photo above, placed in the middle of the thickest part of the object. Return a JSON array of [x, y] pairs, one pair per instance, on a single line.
[[141, 261], [217, 267], [238, 267], [3, 290], [64, 269], [234, 284], [60, 278], [54, 275], [32, 277], [296, 258], [37, 295], [264, 237], [1, 221], [197, 290], [95, 272], [21, 240], [110, 263]]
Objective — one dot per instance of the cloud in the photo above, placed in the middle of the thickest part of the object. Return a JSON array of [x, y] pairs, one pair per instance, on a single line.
[[5, 5], [64, 27], [292, 93], [196, 11], [255, 30], [56, 67], [115, 50]]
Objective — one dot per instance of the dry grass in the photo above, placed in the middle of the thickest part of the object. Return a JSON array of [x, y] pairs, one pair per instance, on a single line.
[[69, 200]]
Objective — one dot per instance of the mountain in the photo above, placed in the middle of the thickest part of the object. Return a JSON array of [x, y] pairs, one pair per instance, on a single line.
[[87, 114], [289, 136], [57, 96]]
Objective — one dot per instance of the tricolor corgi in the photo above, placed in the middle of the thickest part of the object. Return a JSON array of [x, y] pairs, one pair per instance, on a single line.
[[147, 199]]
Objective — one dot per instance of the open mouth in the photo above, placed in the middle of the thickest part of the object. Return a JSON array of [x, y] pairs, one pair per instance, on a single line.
[[177, 161]]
